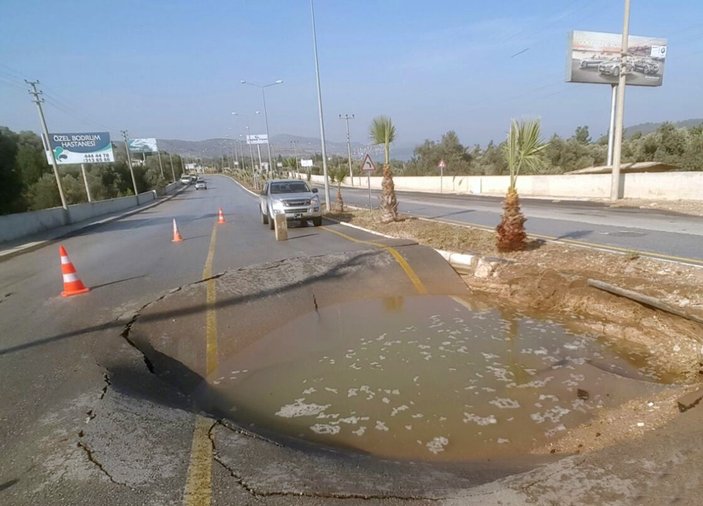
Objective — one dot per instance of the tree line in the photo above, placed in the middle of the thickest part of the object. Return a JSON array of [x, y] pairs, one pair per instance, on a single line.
[[681, 147], [27, 181]]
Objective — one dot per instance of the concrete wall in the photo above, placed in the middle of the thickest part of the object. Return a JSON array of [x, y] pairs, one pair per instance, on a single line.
[[640, 185], [13, 226]]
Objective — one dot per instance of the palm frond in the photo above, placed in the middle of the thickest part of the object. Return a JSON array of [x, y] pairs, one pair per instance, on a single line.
[[522, 148], [382, 131]]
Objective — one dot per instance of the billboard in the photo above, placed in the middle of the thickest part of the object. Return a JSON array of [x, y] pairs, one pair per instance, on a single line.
[[594, 57], [90, 147], [143, 145], [257, 139]]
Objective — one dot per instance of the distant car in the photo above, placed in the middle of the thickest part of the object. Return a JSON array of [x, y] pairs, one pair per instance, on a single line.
[[193, 178], [200, 185], [185, 179], [292, 197]]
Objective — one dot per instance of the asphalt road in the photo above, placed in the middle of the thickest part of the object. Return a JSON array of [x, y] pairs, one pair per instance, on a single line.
[[82, 418], [86, 418], [652, 232]]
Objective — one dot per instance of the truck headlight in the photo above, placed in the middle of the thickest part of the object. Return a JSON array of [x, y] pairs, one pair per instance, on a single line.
[[278, 206]]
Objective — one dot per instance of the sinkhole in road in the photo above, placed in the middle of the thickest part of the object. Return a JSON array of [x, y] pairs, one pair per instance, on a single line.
[[425, 378]]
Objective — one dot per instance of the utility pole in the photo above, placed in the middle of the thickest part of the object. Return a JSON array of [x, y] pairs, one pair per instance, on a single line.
[[161, 166], [125, 136], [173, 172], [47, 143], [319, 106], [620, 107], [347, 117]]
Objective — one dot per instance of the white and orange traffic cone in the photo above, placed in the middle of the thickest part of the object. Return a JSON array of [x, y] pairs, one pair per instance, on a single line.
[[72, 285], [220, 216], [176, 234]]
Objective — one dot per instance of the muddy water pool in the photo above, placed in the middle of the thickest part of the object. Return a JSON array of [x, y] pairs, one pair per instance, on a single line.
[[425, 378]]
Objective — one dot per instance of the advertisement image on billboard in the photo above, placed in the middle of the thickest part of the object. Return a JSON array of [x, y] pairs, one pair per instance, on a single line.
[[143, 145], [594, 57], [76, 148]]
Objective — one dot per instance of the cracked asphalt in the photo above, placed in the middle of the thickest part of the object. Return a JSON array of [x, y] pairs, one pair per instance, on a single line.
[[98, 402]]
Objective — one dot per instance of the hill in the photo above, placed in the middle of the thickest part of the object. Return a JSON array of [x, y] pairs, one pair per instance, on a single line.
[[646, 128]]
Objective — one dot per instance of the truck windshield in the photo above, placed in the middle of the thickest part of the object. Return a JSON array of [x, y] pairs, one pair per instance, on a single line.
[[292, 187]]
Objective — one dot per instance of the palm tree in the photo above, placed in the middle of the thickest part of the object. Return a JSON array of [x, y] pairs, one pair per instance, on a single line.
[[382, 131], [521, 152], [337, 175]]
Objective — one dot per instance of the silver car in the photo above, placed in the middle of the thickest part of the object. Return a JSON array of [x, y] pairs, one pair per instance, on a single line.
[[292, 197]]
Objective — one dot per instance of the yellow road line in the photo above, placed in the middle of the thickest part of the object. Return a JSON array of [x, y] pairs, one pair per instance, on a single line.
[[211, 318], [198, 490], [412, 275]]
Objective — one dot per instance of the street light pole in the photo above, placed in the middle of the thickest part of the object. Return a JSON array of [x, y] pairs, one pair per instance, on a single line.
[[347, 117], [319, 107], [295, 153], [266, 118]]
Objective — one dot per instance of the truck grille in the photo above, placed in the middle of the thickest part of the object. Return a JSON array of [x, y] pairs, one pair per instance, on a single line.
[[297, 203]]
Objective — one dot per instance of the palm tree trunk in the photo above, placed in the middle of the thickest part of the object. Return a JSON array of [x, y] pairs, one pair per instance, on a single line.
[[511, 234], [340, 202], [389, 202]]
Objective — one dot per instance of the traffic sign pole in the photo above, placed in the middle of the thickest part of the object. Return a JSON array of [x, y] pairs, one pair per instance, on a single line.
[[441, 166], [368, 166]]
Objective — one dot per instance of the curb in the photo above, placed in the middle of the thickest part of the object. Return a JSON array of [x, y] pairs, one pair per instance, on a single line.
[[461, 262]]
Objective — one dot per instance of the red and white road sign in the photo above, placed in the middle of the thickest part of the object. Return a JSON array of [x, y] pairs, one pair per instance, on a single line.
[[442, 165], [368, 165]]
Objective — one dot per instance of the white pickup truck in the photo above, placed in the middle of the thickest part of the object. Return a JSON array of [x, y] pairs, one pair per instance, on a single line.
[[292, 197]]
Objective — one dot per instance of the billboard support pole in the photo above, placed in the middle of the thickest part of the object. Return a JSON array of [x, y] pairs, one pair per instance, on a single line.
[[85, 181], [620, 108], [611, 129], [129, 161], [47, 144]]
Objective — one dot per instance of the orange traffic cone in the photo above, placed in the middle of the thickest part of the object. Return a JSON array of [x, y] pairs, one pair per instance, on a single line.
[[72, 285], [176, 234], [220, 216]]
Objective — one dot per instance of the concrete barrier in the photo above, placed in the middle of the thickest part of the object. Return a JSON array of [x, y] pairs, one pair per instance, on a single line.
[[637, 185], [14, 226]]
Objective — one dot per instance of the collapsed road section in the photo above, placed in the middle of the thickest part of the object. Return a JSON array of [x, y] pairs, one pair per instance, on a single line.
[[360, 375]]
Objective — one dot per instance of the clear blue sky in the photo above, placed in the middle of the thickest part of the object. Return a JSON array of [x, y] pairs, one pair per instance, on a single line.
[[172, 69]]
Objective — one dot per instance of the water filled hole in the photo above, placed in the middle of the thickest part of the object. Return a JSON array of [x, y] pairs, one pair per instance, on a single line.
[[425, 377]]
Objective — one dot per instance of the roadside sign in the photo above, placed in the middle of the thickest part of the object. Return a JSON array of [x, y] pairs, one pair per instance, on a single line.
[[90, 147], [257, 139], [367, 165], [306, 163], [442, 165]]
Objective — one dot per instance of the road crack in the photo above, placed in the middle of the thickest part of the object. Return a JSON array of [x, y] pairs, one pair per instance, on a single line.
[[96, 463], [251, 490]]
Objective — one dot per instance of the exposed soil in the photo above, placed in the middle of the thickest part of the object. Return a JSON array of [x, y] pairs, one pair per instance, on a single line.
[[551, 278]]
